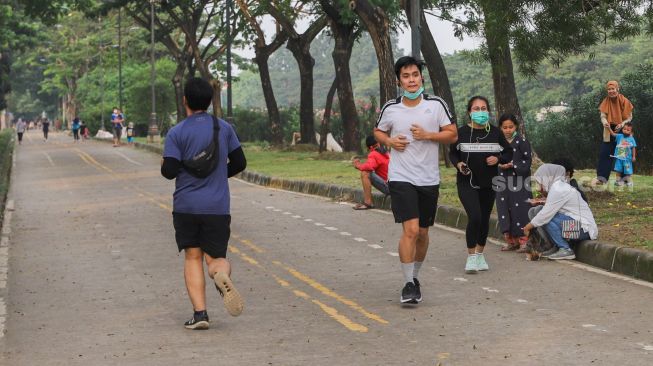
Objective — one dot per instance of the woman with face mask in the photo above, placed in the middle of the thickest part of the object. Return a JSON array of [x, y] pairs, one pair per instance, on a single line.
[[476, 154]]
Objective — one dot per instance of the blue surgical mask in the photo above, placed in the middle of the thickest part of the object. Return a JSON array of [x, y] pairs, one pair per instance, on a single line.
[[480, 117], [415, 95]]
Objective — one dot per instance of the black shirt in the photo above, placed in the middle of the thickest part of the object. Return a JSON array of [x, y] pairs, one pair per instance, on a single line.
[[482, 173]]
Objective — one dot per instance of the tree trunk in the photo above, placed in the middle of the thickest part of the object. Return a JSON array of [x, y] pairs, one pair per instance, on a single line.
[[274, 119], [437, 70], [324, 125], [177, 82], [496, 36], [344, 42], [377, 24], [301, 51]]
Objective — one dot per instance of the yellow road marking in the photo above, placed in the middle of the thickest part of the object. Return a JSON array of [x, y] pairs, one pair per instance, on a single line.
[[301, 294], [341, 318], [324, 290], [332, 312], [252, 246]]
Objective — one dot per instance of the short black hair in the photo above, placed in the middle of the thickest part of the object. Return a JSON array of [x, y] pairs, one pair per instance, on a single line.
[[629, 124], [370, 141], [565, 163], [508, 117], [198, 93], [472, 99], [407, 61]]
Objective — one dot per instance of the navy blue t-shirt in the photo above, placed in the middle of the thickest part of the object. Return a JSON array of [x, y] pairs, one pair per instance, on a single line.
[[193, 195]]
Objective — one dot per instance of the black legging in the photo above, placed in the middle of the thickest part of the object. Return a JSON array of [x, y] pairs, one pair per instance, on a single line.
[[76, 134], [478, 205]]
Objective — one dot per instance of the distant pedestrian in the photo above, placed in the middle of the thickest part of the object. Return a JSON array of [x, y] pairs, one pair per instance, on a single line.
[[21, 126], [117, 120], [75, 128], [615, 110], [476, 154], [514, 191], [414, 125], [201, 207], [46, 128], [130, 133], [83, 130]]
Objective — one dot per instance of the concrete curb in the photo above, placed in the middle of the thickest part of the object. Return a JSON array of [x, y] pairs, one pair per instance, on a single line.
[[632, 262]]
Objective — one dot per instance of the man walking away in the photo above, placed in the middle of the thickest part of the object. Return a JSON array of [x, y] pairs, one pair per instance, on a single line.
[[201, 212]]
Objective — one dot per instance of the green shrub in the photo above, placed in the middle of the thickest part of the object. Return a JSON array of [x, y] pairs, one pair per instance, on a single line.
[[6, 150]]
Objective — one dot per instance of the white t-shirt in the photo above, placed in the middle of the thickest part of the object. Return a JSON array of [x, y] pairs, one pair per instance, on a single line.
[[419, 163]]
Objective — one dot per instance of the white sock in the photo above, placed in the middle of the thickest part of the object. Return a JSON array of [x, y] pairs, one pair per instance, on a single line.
[[418, 265], [408, 269]]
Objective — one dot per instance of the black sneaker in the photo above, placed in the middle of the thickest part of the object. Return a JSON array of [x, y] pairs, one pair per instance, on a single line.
[[418, 293], [198, 321], [408, 295]]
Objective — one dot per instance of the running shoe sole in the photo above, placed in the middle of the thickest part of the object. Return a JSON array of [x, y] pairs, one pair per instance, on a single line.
[[408, 301], [200, 325], [233, 302]]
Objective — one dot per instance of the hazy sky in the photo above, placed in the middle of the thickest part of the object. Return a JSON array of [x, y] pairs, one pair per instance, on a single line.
[[442, 32]]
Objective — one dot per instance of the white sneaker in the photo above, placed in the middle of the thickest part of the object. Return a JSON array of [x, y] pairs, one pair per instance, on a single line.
[[471, 267], [481, 264]]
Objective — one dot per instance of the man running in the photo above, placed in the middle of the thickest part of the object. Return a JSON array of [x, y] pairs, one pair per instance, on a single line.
[[201, 214], [414, 125]]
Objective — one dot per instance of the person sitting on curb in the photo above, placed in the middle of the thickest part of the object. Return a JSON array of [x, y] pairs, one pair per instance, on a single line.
[[563, 202], [569, 175], [374, 172]]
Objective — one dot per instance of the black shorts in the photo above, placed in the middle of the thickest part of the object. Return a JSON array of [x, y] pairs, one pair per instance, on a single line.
[[207, 232], [410, 202]]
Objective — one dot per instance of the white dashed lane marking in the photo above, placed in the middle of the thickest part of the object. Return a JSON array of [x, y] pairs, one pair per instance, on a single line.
[[360, 240], [393, 254], [345, 233], [375, 246], [296, 217], [460, 279], [319, 224], [490, 289], [331, 228]]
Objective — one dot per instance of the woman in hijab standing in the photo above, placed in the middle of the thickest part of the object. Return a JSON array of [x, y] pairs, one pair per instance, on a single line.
[[563, 202], [615, 111]]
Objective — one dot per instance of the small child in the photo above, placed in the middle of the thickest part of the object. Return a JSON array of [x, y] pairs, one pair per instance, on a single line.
[[511, 207], [130, 133], [625, 154]]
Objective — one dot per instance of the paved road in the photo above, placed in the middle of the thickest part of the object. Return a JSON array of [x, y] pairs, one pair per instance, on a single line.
[[94, 279]]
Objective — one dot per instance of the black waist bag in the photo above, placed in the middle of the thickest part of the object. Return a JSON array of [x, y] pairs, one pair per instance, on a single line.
[[205, 162]]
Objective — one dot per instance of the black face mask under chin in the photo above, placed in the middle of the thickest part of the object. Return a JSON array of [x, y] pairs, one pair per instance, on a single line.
[[381, 149]]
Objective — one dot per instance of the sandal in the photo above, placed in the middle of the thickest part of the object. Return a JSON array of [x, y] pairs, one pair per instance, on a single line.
[[509, 247], [363, 206], [522, 248]]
